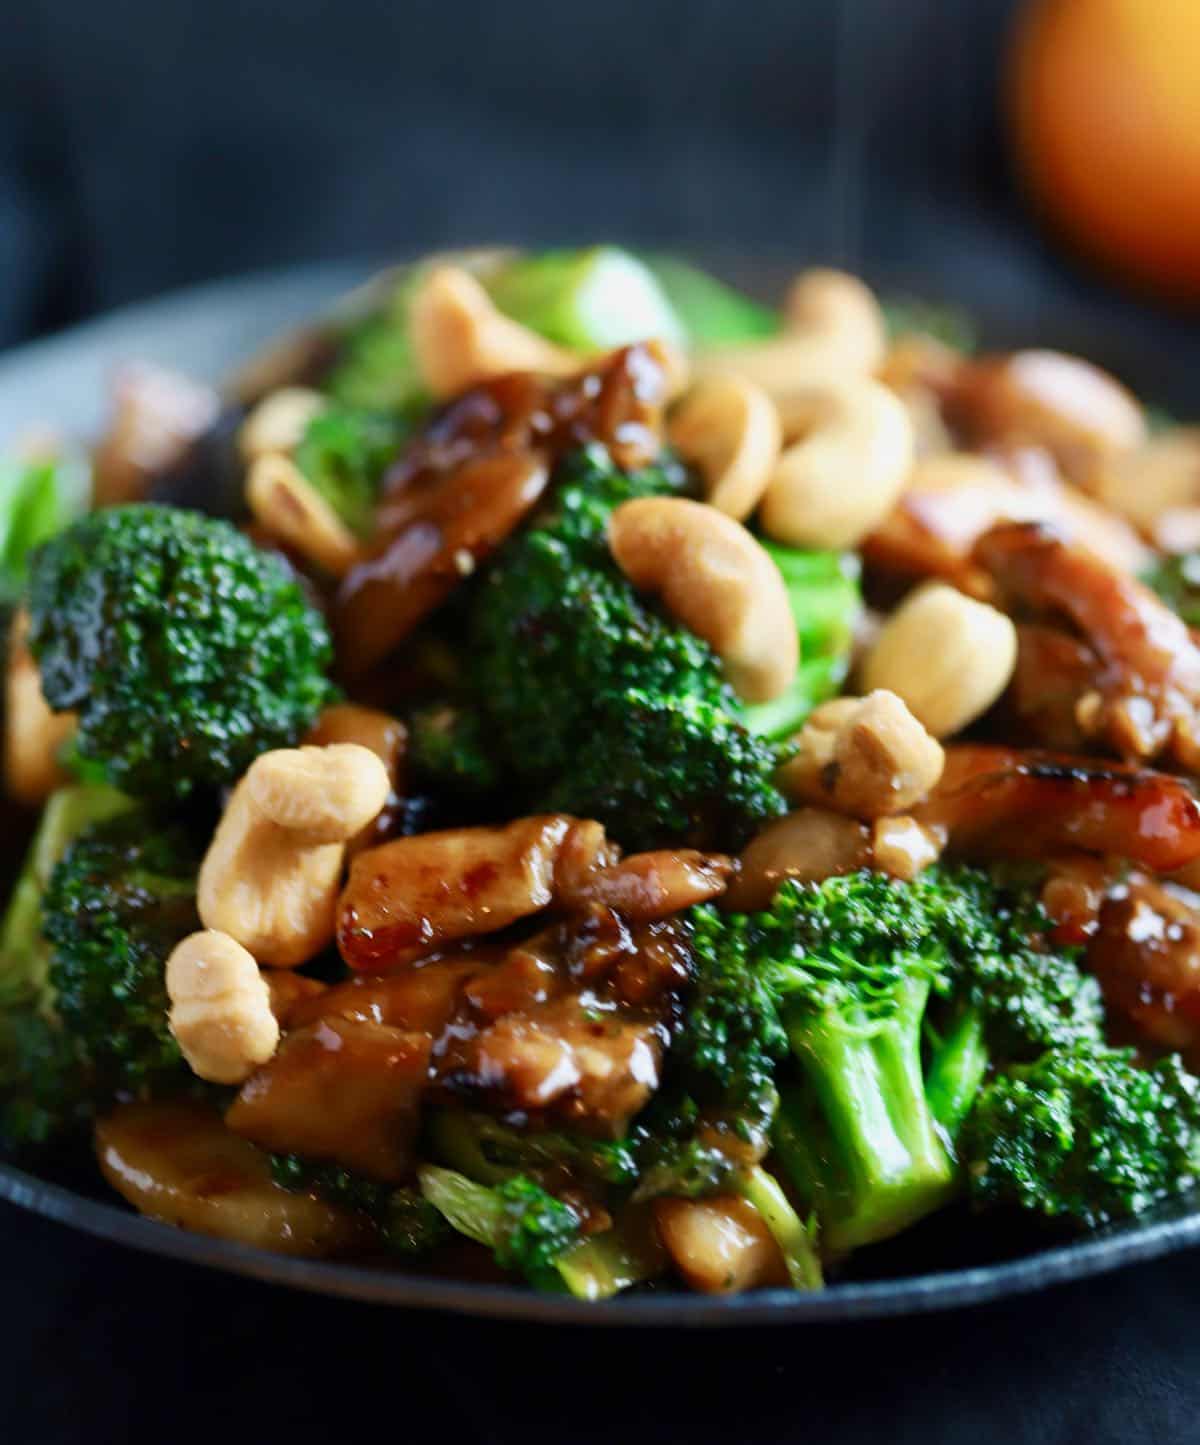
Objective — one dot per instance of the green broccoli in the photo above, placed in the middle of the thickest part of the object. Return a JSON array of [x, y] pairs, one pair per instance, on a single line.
[[1084, 1135], [533, 1233], [712, 314], [120, 899], [596, 703], [823, 591], [408, 1224], [489, 1151], [43, 1091], [185, 650], [1177, 581], [37, 500], [876, 1008], [448, 750], [344, 453]]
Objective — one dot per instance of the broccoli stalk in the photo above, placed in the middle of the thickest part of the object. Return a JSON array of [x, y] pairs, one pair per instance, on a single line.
[[37, 499], [797, 1241], [184, 649]]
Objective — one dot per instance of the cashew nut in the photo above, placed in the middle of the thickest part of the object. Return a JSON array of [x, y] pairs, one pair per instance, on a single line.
[[867, 756], [728, 429], [296, 514], [834, 330], [459, 337], [221, 1012], [844, 474], [278, 423], [271, 874], [33, 734], [946, 655], [717, 580], [1159, 477]]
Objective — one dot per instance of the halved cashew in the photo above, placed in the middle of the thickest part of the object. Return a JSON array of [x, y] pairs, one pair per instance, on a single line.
[[278, 423], [866, 756], [717, 580], [1072, 408], [728, 428], [834, 330], [460, 338], [271, 874], [291, 509], [946, 655], [221, 1012], [844, 474], [33, 734]]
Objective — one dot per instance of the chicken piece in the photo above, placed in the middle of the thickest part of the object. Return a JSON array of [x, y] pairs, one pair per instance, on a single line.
[[952, 500], [589, 1066], [1054, 672], [1146, 954], [291, 994], [424, 997], [407, 898], [1073, 894], [649, 886], [347, 1092], [720, 1245], [178, 1163], [999, 802], [1145, 699]]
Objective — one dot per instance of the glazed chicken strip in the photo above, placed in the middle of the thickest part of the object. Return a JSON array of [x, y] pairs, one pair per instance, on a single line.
[[999, 802], [1145, 696]]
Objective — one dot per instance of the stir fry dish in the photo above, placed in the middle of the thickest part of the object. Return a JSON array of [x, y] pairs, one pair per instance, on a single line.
[[610, 785]]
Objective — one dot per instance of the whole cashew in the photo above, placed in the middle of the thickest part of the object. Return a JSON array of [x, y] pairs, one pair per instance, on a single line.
[[292, 511], [221, 1012], [946, 655], [728, 428], [459, 337], [271, 875], [834, 330], [844, 474], [1148, 481], [717, 580]]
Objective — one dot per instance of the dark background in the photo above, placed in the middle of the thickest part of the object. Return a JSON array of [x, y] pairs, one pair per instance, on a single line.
[[145, 144]]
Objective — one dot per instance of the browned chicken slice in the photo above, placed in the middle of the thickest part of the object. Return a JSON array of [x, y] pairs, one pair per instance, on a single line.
[[588, 1065], [649, 886], [1146, 954], [347, 1092], [999, 802], [1145, 697], [409, 897], [1054, 672], [424, 997]]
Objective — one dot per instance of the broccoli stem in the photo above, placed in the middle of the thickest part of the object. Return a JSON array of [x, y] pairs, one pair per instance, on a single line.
[[957, 1065], [878, 1163], [602, 1265], [796, 1240]]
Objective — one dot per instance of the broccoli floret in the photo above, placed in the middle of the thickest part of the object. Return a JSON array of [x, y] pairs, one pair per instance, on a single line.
[[489, 1151], [712, 313], [184, 649], [448, 750], [37, 500], [598, 704], [344, 453], [834, 993], [119, 901], [1177, 582], [1084, 1135], [527, 1228], [408, 1224]]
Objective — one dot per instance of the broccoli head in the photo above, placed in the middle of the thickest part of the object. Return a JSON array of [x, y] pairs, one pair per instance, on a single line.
[[1084, 1135], [184, 649], [598, 704], [408, 1224], [122, 897]]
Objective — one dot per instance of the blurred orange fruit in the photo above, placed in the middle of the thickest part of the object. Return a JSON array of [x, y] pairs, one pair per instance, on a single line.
[[1106, 108]]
